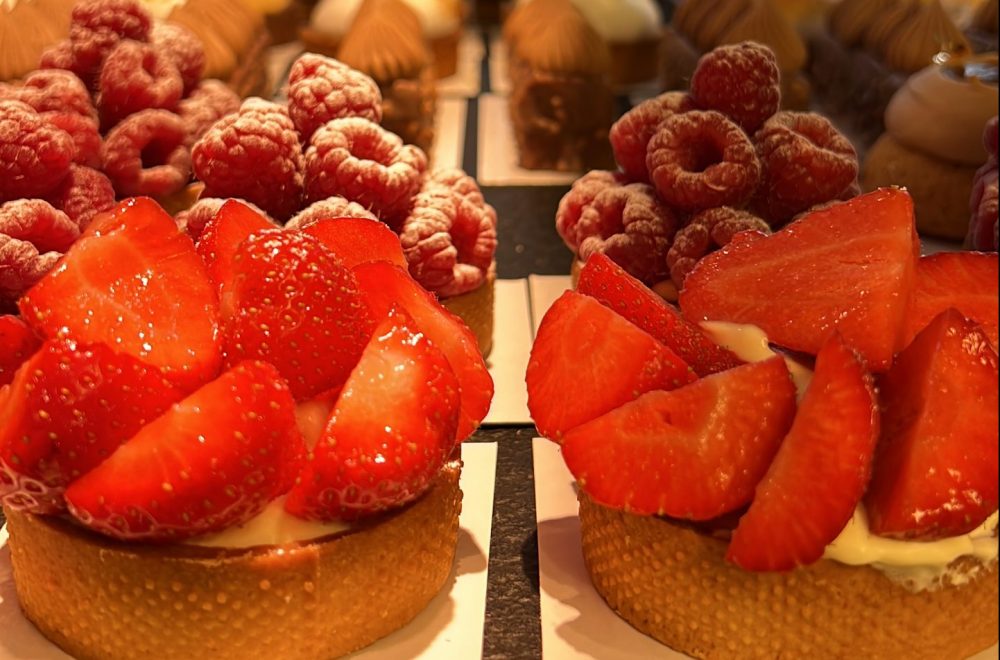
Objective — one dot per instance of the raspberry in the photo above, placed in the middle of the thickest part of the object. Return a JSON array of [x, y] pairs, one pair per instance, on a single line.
[[254, 155], [806, 162], [39, 223], [182, 48], [363, 162], [741, 81], [210, 101], [89, 49], [331, 207], [321, 89], [146, 154], [21, 266], [84, 193], [706, 232], [630, 135], [55, 90], [136, 77], [192, 221], [464, 185], [580, 196], [632, 227], [700, 159], [34, 155], [125, 18], [984, 203], [58, 56], [83, 130], [449, 240]]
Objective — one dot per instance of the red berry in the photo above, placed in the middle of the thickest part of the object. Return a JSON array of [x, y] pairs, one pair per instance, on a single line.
[[581, 197], [54, 90], [695, 452], [59, 56], [146, 154], [37, 222], [209, 102], [85, 135], [700, 159], [126, 18], [359, 468], [331, 207], [135, 77], [34, 155], [705, 232], [820, 472], [936, 472], [214, 460], [194, 220], [984, 201], [88, 50], [741, 81], [83, 194], [358, 240], [321, 88], [21, 266], [587, 360], [17, 344], [630, 135], [182, 48]]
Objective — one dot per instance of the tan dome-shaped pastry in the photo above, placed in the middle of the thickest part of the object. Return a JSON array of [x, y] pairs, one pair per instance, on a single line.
[[690, 15], [925, 34], [27, 28], [227, 28], [766, 24], [385, 41], [552, 35], [851, 19], [710, 30], [881, 29], [986, 16]]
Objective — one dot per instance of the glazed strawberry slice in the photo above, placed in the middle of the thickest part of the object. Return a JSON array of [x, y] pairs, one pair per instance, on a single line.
[[70, 407], [17, 344], [390, 431], [588, 360], [936, 469], [359, 240], [133, 282], [820, 472], [232, 225], [966, 281], [385, 285], [213, 460], [296, 306], [603, 279], [849, 267], [696, 452]]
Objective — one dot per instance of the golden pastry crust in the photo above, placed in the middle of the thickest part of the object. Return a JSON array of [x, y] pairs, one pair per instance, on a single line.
[[476, 309], [321, 599], [674, 584]]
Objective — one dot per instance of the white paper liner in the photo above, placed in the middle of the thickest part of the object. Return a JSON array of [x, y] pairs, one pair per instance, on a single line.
[[449, 134], [544, 291], [508, 361], [499, 81]]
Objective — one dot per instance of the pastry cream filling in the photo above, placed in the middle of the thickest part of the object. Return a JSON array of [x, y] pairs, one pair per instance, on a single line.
[[918, 565]]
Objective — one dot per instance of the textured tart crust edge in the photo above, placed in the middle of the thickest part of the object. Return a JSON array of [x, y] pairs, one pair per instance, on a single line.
[[96, 598], [673, 583], [476, 309]]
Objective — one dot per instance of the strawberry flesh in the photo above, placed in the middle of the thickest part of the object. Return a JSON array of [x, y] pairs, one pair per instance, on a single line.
[[358, 240], [607, 282], [696, 452], [850, 267], [936, 470], [587, 360], [358, 467], [17, 344], [820, 472], [213, 460]]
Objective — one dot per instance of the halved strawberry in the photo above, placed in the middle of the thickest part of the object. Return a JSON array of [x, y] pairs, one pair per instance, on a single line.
[[134, 283], [848, 267], [70, 407], [587, 360], [230, 226], [966, 281], [936, 469], [212, 461], [385, 285], [359, 240], [695, 452], [17, 344], [820, 472], [360, 467], [296, 306], [603, 279]]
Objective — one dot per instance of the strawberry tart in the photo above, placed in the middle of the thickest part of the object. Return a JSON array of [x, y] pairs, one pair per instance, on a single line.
[[208, 451], [782, 467]]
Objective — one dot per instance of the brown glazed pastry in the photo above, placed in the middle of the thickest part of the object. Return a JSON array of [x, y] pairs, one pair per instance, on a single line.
[[982, 30], [27, 28], [561, 102], [385, 42]]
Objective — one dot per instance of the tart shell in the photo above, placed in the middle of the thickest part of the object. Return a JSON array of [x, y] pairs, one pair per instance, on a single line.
[[476, 309]]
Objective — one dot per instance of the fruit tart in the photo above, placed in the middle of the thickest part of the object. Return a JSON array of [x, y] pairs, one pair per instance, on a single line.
[[801, 461], [208, 451]]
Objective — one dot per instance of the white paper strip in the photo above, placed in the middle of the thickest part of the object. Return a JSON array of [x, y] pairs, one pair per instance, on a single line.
[[449, 134], [544, 291], [509, 358]]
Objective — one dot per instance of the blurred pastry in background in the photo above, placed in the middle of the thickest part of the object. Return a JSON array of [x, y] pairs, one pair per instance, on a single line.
[[27, 28], [441, 21]]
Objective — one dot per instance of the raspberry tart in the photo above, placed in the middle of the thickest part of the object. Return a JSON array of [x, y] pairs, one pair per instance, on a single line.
[[820, 483], [210, 474]]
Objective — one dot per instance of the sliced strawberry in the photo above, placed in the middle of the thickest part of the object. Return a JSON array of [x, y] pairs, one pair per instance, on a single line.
[[133, 282], [603, 279], [360, 467], [385, 285], [849, 267], [359, 240], [695, 452], [212, 461], [820, 472], [296, 306], [70, 407], [936, 468], [966, 281], [587, 360], [232, 225], [17, 344]]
